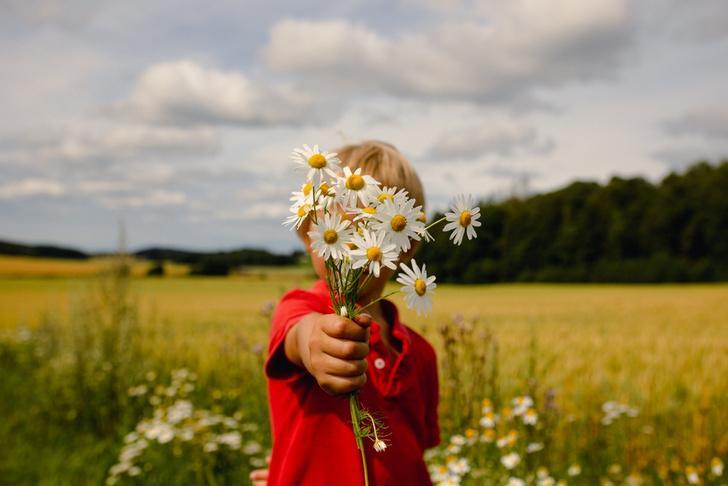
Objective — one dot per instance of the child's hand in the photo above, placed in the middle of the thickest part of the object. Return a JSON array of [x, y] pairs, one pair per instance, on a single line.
[[334, 350]]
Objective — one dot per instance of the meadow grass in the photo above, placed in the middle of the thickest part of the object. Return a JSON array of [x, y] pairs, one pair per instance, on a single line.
[[660, 349]]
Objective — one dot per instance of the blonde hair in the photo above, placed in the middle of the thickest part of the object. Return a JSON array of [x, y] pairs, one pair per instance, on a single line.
[[385, 163]]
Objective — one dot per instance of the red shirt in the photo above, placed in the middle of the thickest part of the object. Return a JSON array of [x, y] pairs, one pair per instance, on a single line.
[[313, 443]]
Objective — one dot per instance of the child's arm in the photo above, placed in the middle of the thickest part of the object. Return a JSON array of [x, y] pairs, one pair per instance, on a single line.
[[332, 349]]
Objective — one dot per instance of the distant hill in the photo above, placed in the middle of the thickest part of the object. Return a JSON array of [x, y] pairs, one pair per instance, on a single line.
[[41, 251], [201, 263]]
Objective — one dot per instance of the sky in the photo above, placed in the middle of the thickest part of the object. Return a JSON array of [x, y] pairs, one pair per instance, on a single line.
[[177, 117]]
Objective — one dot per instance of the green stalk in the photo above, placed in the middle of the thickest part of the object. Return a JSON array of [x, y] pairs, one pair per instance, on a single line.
[[434, 223], [377, 300], [354, 411]]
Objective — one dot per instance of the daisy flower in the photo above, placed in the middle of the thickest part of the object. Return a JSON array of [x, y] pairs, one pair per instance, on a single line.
[[367, 212], [462, 218], [330, 236], [379, 445], [372, 251], [399, 220], [511, 460], [530, 417], [316, 161], [521, 404], [352, 186], [422, 218], [304, 196], [417, 287], [392, 193], [300, 213]]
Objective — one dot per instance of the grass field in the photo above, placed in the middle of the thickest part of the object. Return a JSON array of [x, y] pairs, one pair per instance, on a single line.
[[661, 349]]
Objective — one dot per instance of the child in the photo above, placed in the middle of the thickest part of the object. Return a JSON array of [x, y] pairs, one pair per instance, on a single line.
[[316, 357]]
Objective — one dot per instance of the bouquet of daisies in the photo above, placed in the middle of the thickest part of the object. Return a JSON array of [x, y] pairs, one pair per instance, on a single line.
[[358, 227]]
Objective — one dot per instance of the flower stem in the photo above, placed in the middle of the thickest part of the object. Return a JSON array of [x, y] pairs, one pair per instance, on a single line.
[[358, 311], [354, 411], [434, 223]]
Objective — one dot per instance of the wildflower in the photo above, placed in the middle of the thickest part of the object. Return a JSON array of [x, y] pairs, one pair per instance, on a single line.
[[398, 219], [488, 420], [300, 213], [614, 469], [470, 435], [353, 186], [534, 447], [530, 417], [521, 404], [417, 287], [691, 474], [230, 439], [459, 466], [543, 478], [454, 449], [634, 479], [367, 212], [330, 236], [463, 219], [486, 406], [210, 446], [373, 252], [252, 447], [457, 440], [316, 161], [389, 193], [379, 445], [574, 470], [513, 481], [510, 460], [488, 435], [139, 390], [716, 466]]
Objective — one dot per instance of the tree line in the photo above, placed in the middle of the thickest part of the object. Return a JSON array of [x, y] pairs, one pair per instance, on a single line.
[[629, 230]]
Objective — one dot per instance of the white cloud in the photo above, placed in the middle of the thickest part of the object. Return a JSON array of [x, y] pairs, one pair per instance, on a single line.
[[503, 139], [31, 187], [183, 92], [99, 141], [708, 122], [502, 56], [153, 198]]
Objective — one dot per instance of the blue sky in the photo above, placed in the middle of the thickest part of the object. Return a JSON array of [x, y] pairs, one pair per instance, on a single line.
[[177, 117]]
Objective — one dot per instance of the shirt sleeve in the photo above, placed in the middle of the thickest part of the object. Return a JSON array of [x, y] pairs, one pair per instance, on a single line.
[[290, 310], [432, 422]]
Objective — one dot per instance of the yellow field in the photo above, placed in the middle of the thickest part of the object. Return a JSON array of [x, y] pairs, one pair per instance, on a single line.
[[18, 266], [642, 336], [659, 348]]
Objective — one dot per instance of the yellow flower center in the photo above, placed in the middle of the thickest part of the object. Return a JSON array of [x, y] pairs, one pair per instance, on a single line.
[[374, 254], [302, 211], [398, 222], [324, 188], [317, 161], [465, 218], [330, 236], [384, 196], [422, 217], [355, 182], [306, 189], [420, 287], [370, 210]]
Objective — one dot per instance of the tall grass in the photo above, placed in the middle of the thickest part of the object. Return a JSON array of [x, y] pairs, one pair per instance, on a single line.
[[108, 393]]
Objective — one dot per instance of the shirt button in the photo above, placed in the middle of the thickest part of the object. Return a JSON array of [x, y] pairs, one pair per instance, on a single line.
[[379, 363]]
